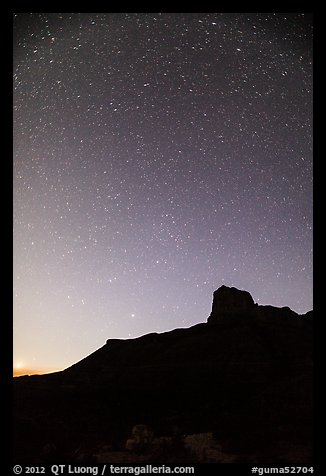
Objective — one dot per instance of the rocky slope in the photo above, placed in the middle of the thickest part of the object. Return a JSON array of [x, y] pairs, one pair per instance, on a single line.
[[244, 377]]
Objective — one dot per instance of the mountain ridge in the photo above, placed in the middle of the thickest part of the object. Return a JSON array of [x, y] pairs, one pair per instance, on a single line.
[[245, 376]]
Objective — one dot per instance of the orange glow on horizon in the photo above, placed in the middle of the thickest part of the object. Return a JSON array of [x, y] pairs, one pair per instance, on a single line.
[[18, 371]]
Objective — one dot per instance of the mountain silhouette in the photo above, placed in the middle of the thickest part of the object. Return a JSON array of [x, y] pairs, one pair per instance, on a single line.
[[237, 388]]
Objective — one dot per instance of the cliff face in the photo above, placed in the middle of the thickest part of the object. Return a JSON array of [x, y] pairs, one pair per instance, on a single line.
[[245, 376], [231, 301]]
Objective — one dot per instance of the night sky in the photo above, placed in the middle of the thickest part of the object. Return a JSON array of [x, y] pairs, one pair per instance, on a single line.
[[157, 156]]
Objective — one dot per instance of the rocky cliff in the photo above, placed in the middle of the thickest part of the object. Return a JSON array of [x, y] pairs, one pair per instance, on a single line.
[[245, 377]]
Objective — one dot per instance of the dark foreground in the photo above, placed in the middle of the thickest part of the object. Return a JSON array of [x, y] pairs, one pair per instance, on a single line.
[[237, 389]]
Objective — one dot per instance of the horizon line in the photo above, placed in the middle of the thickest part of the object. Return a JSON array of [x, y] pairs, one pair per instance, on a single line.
[[28, 372]]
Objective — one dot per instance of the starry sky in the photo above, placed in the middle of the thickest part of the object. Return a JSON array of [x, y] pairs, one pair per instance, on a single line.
[[157, 156]]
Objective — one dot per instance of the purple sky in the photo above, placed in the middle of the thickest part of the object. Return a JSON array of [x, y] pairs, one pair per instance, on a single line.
[[156, 157]]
